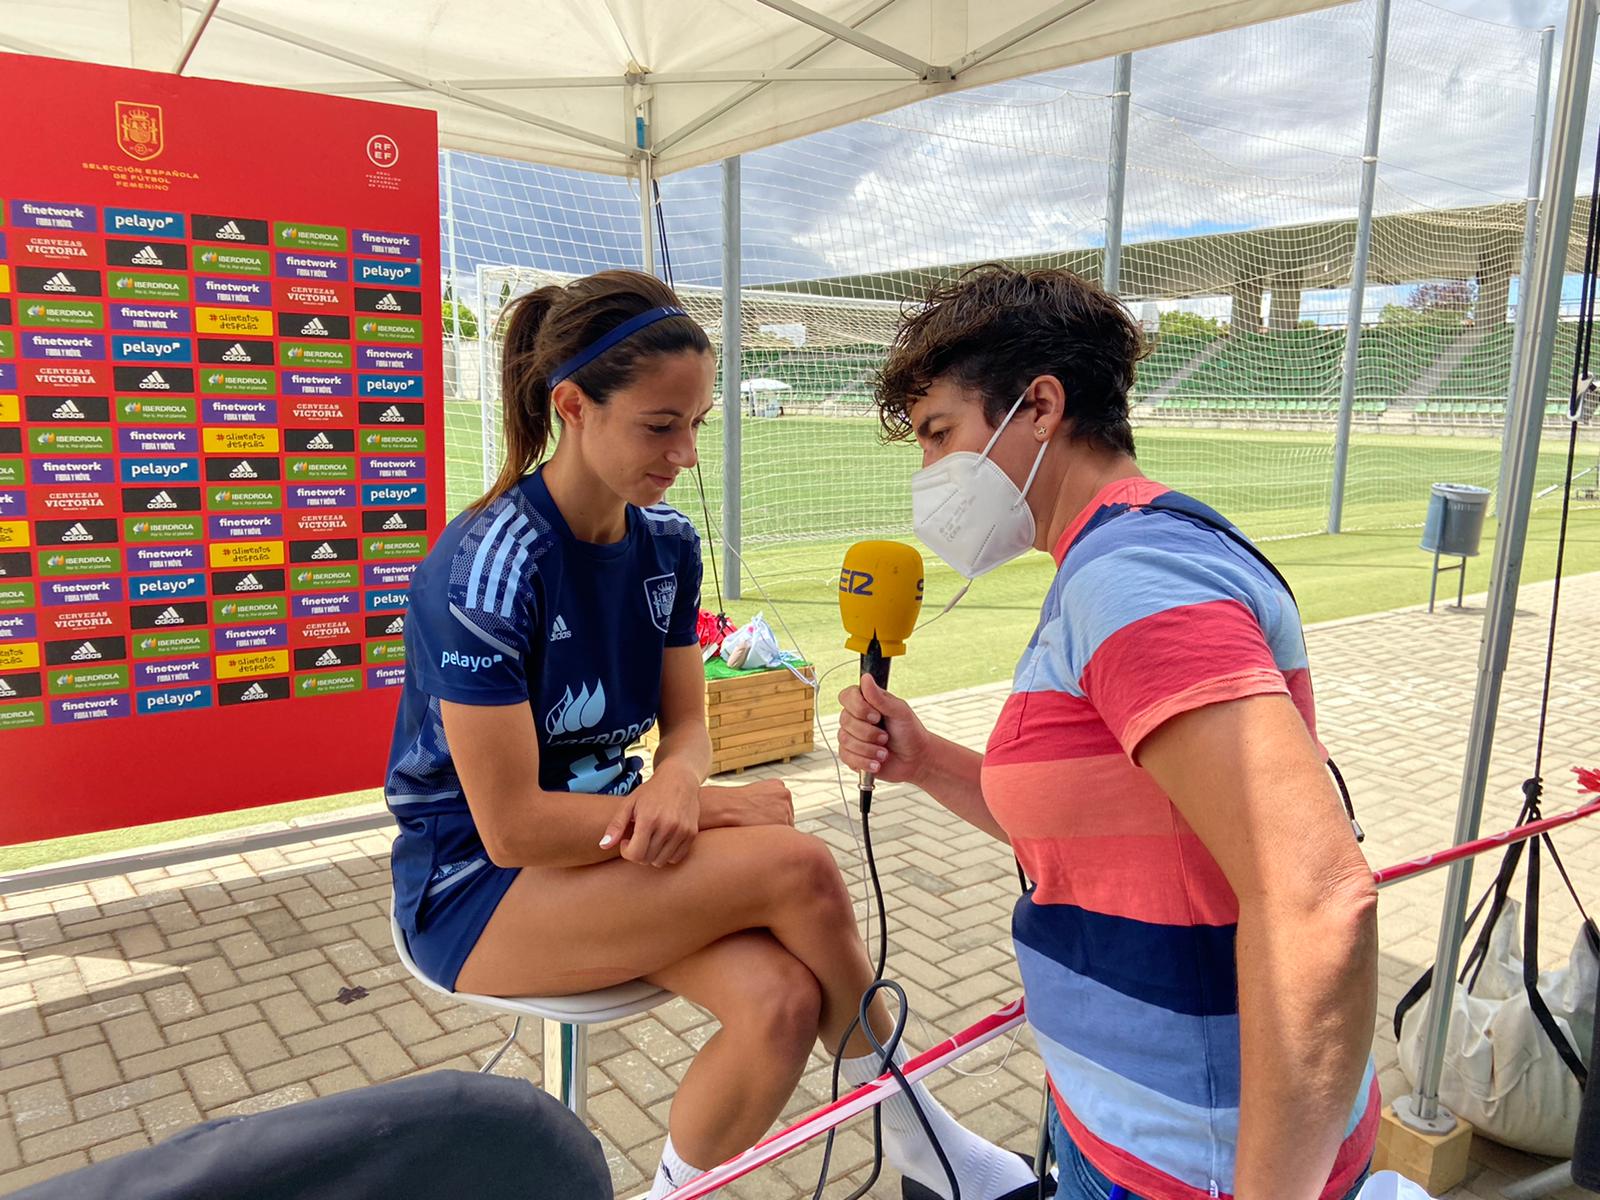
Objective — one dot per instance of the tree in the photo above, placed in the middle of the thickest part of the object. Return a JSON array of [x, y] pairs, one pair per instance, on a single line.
[[456, 314], [1176, 323]]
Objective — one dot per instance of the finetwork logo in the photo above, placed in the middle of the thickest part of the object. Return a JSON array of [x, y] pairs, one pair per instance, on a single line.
[[392, 415], [155, 382], [77, 534], [68, 410], [147, 258], [161, 500], [236, 353], [244, 471], [86, 653], [170, 617], [230, 232], [559, 631], [59, 282], [249, 584]]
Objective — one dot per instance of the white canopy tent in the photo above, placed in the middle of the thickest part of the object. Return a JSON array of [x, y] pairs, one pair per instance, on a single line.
[[649, 87], [568, 82]]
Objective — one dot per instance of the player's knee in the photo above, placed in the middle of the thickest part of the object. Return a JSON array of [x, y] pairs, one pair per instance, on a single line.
[[813, 880], [782, 1002]]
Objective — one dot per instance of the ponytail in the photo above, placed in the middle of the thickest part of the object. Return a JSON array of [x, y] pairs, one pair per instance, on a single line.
[[524, 391]]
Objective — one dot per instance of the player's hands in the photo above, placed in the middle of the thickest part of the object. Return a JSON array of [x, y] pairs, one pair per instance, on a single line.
[[656, 823], [765, 802], [878, 732]]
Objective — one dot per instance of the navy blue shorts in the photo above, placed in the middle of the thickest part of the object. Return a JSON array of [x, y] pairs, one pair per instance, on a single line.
[[452, 918]]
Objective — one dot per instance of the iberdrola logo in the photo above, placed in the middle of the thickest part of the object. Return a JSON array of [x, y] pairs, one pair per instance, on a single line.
[[290, 232], [148, 643], [221, 497], [229, 609], [299, 468], [303, 577], [35, 310], [125, 281], [56, 560], [47, 439], [141, 527], [208, 257], [215, 378], [64, 680], [369, 327], [372, 439], [133, 408], [296, 352]]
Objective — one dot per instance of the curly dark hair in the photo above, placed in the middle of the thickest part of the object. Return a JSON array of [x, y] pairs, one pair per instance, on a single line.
[[995, 329]]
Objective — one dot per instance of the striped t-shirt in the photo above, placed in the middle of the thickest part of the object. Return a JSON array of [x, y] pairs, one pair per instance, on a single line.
[[1126, 941]]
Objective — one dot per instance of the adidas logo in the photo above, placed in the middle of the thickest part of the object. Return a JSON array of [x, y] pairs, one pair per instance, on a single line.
[[243, 471], [77, 534], [392, 415], [154, 382], [86, 653], [6, 689], [147, 258], [161, 500], [59, 283], [329, 659], [314, 325], [398, 625], [559, 631], [236, 353], [230, 233], [320, 442], [324, 552], [249, 584], [170, 617], [68, 410], [388, 303], [254, 692], [395, 522]]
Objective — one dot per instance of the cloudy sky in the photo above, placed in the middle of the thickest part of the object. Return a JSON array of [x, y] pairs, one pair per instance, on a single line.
[[1255, 128]]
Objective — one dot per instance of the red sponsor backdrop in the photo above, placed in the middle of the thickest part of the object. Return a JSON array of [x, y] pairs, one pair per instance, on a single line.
[[221, 441]]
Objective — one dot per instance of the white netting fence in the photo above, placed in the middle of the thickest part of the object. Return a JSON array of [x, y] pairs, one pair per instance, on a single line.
[[1242, 182]]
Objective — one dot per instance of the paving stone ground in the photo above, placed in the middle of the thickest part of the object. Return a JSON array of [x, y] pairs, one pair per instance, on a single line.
[[135, 1005]]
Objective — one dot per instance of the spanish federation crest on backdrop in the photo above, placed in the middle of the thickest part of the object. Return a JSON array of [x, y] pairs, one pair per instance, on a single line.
[[139, 133]]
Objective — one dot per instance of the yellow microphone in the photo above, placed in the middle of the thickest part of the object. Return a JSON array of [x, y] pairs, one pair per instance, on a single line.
[[880, 595]]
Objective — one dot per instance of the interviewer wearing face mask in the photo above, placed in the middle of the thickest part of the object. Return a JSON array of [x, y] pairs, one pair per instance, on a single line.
[[1199, 945]]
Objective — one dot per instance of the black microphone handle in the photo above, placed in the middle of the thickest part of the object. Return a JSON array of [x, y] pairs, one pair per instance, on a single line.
[[875, 663], [1586, 1150]]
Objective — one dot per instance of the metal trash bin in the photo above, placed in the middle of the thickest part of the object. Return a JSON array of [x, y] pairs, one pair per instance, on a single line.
[[1454, 524], [1454, 527]]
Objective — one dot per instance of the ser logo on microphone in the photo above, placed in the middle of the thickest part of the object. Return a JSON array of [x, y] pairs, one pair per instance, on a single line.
[[855, 583]]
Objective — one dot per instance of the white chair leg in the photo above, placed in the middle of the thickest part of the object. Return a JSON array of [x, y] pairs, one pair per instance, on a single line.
[[504, 1046], [566, 1065]]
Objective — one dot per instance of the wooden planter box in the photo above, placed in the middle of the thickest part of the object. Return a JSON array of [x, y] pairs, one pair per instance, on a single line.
[[764, 717]]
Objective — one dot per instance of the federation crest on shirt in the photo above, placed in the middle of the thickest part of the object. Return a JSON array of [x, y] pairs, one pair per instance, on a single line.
[[660, 593]]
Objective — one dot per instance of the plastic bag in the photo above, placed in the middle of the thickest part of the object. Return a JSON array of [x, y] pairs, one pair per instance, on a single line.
[[1501, 1074], [752, 646], [1387, 1185]]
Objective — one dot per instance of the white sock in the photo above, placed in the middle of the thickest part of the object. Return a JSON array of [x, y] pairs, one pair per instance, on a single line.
[[673, 1172], [983, 1170]]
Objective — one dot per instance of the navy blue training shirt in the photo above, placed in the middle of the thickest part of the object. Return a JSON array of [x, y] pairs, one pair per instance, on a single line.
[[509, 607]]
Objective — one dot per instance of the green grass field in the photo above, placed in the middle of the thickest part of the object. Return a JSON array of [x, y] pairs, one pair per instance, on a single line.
[[813, 485]]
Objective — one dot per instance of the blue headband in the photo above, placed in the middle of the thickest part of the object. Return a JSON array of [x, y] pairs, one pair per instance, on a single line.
[[600, 345]]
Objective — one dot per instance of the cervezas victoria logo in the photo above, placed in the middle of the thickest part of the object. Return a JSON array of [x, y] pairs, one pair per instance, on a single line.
[[139, 133]]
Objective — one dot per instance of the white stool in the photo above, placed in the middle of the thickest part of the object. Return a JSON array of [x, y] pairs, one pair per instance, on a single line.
[[566, 1023]]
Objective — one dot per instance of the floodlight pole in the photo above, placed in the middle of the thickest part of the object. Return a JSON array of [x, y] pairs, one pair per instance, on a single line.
[[1358, 273], [1421, 1109], [732, 381], [1530, 227], [1116, 187], [488, 454], [644, 157]]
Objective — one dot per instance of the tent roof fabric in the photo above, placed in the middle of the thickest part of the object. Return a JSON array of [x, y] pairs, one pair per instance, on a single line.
[[565, 82]]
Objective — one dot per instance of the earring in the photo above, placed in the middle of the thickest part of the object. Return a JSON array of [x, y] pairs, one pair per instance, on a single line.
[[1040, 432]]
